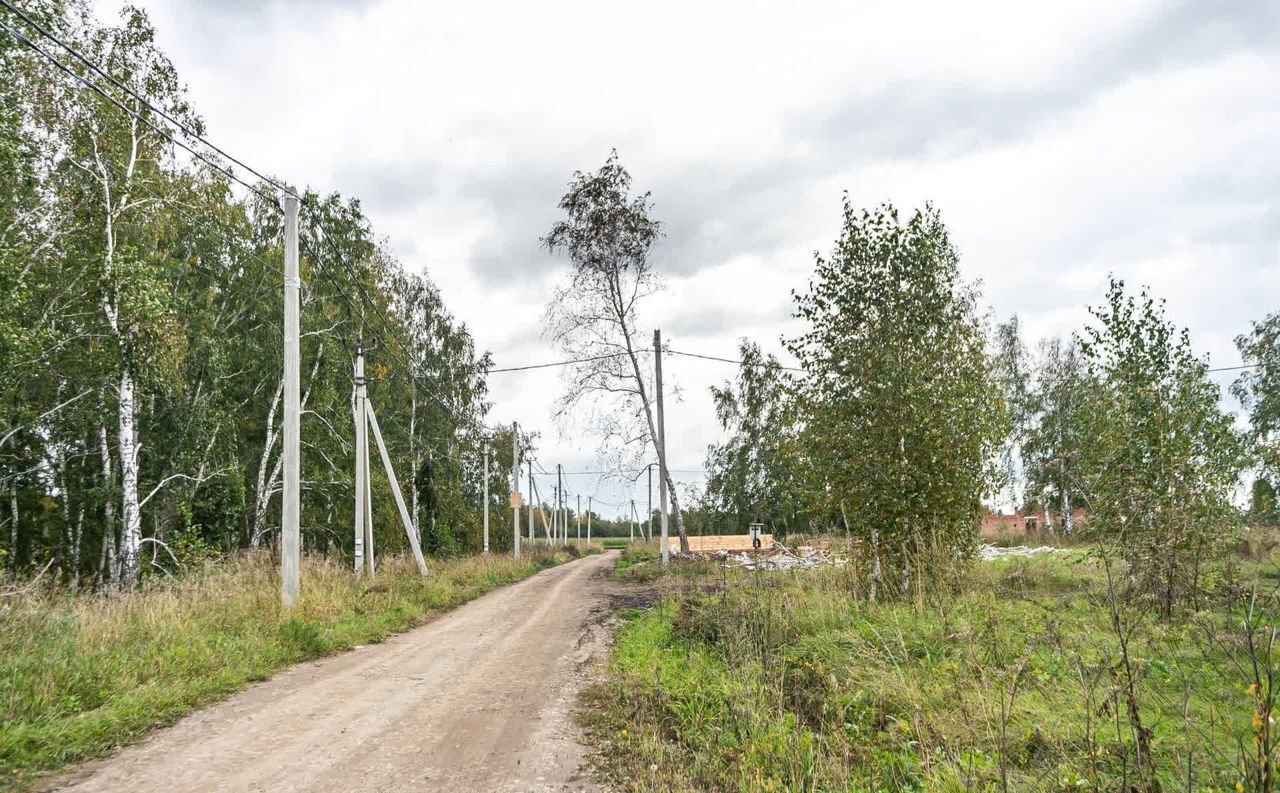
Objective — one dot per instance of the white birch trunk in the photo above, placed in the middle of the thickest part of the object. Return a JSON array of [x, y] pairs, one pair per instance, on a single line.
[[130, 511], [13, 525], [262, 493], [61, 455], [111, 570], [75, 549], [13, 518], [126, 402], [267, 483]]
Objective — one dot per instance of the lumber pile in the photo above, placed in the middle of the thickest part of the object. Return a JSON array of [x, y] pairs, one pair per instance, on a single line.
[[711, 543]]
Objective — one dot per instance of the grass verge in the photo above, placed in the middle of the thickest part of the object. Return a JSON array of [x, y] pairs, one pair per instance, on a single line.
[[1015, 681], [81, 676]]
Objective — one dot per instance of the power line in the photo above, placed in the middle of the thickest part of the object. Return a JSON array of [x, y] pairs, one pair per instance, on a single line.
[[764, 365], [560, 363], [387, 329], [1234, 368], [145, 103], [96, 88], [572, 361], [736, 361], [101, 92]]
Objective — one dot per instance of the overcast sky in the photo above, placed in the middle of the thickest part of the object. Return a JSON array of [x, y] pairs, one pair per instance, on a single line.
[[1062, 141]]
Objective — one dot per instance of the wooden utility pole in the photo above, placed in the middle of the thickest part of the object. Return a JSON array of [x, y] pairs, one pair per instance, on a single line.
[[362, 454], [661, 443], [486, 497], [588, 520], [564, 528], [577, 522], [291, 506], [515, 489], [633, 520], [531, 502]]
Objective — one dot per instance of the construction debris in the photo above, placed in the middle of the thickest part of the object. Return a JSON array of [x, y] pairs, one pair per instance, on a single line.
[[988, 552], [775, 557]]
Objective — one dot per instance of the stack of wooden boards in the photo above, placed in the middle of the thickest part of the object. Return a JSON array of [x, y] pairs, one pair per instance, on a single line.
[[720, 542]]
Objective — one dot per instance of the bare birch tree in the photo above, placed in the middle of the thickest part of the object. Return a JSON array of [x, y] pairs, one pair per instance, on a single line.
[[608, 234]]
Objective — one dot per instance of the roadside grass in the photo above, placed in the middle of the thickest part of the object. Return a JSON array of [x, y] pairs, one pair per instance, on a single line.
[[1011, 681], [638, 563], [80, 676]]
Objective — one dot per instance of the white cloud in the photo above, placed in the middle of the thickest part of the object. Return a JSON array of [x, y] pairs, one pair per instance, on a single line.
[[1063, 141]]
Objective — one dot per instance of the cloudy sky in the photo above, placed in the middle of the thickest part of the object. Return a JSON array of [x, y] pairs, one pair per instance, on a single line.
[[1062, 141]]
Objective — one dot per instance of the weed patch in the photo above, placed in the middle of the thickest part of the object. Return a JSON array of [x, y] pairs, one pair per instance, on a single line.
[[792, 683]]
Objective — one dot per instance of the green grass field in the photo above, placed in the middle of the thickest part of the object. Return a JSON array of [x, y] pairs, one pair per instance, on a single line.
[[1012, 681], [79, 676]]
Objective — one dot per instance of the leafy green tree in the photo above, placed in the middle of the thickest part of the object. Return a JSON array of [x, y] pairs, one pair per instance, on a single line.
[[1262, 503], [1162, 457], [1054, 443], [1011, 364], [753, 475], [1258, 390], [899, 405]]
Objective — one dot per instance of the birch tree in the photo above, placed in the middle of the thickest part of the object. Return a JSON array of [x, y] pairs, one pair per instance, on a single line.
[[1054, 443], [754, 474], [1013, 374], [900, 411], [116, 179], [608, 235], [1258, 390], [1162, 457]]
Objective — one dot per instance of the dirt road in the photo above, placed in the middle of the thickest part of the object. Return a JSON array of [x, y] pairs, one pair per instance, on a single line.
[[477, 700]]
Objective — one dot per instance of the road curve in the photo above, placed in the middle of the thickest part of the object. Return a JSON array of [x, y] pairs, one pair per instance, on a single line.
[[479, 699]]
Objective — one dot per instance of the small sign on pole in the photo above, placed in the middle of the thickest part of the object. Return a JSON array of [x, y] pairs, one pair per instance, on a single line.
[[516, 502]]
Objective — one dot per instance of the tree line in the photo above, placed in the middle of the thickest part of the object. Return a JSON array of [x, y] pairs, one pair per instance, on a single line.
[[140, 338], [912, 412]]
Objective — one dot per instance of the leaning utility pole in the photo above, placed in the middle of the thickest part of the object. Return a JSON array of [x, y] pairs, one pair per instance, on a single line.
[[661, 443], [291, 506], [410, 530], [486, 497], [515, 489]]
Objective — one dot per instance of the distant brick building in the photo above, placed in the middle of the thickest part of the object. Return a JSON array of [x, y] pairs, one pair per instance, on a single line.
[[1019, 524]]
